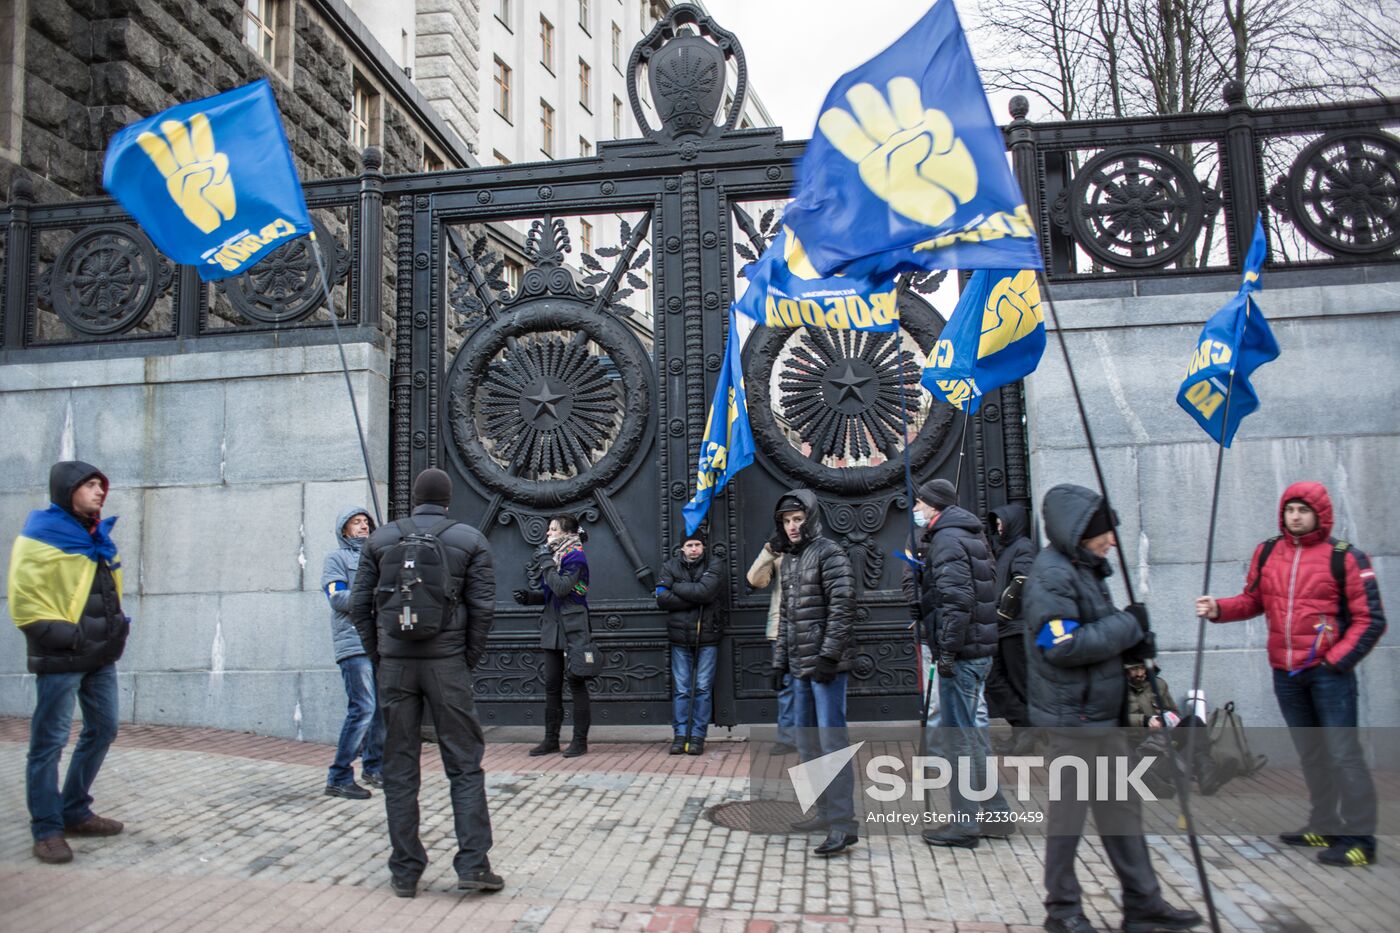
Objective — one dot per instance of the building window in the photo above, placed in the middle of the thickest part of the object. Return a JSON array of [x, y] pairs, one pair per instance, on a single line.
[[642, 23], [513, 271], [585, 85], [585, 148], [547, 44], [583, 15], [259, 28], [503, 11], [364, 114], [502, 101], [617, 47], [746, 124], [585, 236], [500, 159], [431, 161], [546, 128], [617, 117]]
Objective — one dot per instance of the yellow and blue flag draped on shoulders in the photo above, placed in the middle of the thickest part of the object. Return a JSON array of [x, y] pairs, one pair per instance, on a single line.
[[995, 336], [727, 446], [907, 169], [212, 181], [54, 563], [785, 291], [1236, 340]]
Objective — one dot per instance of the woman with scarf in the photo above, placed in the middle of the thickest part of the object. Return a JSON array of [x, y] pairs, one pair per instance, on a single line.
[[558, 578]]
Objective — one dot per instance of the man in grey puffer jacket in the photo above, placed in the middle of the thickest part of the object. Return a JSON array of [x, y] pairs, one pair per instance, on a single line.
[[362, 735], [1075, 644]]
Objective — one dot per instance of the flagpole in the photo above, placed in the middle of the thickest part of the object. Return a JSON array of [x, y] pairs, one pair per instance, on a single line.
[[345, 369]]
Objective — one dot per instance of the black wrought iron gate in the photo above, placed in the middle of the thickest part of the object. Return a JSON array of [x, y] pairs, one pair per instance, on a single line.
[[554, 395]]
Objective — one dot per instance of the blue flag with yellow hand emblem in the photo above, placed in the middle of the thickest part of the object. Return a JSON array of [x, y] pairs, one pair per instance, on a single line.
[[212, 181], [1236, 340], [907, 168], [785, 291], [727, 446], [995, 336]]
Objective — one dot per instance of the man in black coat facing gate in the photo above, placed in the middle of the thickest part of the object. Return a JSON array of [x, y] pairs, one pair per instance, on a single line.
[[1076, 646], [1006, 684], [689, 592], [434, 672]]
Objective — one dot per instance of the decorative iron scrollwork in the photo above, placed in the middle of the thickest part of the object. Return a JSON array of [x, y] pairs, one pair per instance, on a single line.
[[856, 524], [1343, 193], [285, 287], [105, 280], [1135, 207], [685, 73]]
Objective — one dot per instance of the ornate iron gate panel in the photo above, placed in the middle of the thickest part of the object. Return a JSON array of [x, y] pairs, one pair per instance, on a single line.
[[555, 395]]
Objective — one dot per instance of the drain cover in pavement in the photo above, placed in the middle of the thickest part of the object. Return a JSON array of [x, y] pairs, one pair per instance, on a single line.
[[756, 816]]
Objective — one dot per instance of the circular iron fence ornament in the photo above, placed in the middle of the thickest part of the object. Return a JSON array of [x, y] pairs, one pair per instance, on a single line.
[[1344, 193], [285, 287], [105, 280], [1135, 207]]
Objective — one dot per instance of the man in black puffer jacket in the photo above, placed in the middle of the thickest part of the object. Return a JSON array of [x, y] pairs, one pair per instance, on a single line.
[[958, 601], [1006, 684], [816, 646], [435, 671], [1075, 643], [689, 590], [65, 590]]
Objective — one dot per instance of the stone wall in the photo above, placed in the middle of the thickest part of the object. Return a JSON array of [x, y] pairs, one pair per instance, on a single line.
[[228, 470], [1327, 413]]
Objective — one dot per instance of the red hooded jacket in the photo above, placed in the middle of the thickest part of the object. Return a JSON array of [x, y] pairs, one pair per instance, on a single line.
[[1297, 593]]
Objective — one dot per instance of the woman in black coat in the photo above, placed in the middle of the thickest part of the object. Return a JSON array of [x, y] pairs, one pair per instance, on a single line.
[[558, 577]]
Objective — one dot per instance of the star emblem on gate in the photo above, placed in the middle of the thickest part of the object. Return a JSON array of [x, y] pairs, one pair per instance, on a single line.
[[544, 404], [846, 383]]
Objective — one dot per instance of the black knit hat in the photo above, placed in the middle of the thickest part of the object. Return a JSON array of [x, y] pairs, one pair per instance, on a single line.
[[1103, 520], [694, 536], [938, 493], [432, 487]]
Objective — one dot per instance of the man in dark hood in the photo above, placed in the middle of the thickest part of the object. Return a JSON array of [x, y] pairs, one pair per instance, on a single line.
[[1006, 684], [65, 590], [1076, 646], [688, 590], [816, 647]]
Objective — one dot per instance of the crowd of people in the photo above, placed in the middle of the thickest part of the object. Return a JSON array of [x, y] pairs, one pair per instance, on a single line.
[[1032, 632]]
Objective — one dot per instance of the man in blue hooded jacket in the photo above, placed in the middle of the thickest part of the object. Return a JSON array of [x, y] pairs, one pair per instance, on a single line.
[[362, 735]]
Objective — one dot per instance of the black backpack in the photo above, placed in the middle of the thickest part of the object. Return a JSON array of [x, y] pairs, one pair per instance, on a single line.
[[1339, 574], [415, 598]]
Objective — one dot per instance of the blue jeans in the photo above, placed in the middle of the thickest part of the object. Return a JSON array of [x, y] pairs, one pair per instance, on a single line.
[[693, 710], [959, 698], [96, 692], [821, 729], [363, 731], [1319, 707], [787, 712]]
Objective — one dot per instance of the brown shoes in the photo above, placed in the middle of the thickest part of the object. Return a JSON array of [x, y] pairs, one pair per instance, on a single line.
[[94, 826], [53, 849]]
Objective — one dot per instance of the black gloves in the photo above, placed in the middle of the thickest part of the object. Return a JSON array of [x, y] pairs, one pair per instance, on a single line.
[[1139, 611], [777, 543], [521, 596], [825, 671], [946, 668], [1144, 650], [776, 678]]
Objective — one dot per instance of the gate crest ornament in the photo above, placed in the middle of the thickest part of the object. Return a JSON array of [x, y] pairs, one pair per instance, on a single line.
[[685, 73]]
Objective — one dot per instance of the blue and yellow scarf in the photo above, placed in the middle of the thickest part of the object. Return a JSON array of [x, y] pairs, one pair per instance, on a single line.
[[54, 563]]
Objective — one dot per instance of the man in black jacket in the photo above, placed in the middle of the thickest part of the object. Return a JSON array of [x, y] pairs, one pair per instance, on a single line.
[[958, 597], [816, 646], [689, 590], [65, 595], [1006, 684], [435, 671], [1076, 642]]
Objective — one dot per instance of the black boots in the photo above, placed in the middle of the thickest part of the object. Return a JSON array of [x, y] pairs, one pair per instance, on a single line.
[[579, 745], [553, 719]]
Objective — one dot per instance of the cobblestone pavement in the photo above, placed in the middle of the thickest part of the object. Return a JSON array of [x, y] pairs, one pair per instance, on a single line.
[[228, 830]]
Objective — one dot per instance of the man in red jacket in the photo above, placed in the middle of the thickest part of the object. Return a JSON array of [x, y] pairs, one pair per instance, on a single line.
[[1324, 613]]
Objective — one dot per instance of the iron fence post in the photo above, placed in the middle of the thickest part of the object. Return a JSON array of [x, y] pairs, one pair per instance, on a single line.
[[17, 263], [1242, 165], [370, 257]]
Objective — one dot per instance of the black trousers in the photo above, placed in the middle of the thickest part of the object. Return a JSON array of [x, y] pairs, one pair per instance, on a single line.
[[1119, 825], [406, 688], [1006, 683], [554, 677]]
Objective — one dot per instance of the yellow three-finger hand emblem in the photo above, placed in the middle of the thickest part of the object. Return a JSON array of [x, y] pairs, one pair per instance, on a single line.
[[196, 175], [909, 156], [1012, 311]]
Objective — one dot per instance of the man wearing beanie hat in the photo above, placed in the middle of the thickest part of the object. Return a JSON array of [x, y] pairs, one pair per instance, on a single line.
[[956, 599], [432, 672], [688, 589]]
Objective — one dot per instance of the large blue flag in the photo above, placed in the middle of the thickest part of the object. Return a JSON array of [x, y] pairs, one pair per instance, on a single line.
[[212, 181], [995, 336], [785, 291], [908, 169], [727, 446], [1237, 340]]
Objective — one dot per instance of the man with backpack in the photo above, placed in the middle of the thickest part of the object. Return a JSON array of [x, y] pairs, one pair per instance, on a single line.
[[423, 602], [1324, 612], [1006, 682]]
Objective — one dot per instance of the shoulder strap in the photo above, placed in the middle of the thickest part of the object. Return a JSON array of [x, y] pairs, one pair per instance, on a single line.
[[1263, 559], [1339, 573], [437, 530]]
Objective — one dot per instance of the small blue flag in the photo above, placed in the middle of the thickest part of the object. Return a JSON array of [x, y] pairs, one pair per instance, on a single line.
[[995, 336], [785, 291], [907, 169], [1236, 340], [727, 446], [212, 181]]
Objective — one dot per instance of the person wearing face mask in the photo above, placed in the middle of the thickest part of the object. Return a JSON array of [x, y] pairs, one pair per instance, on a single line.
[[558, 573], [65, 595], [362, 733], [688, 590]]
